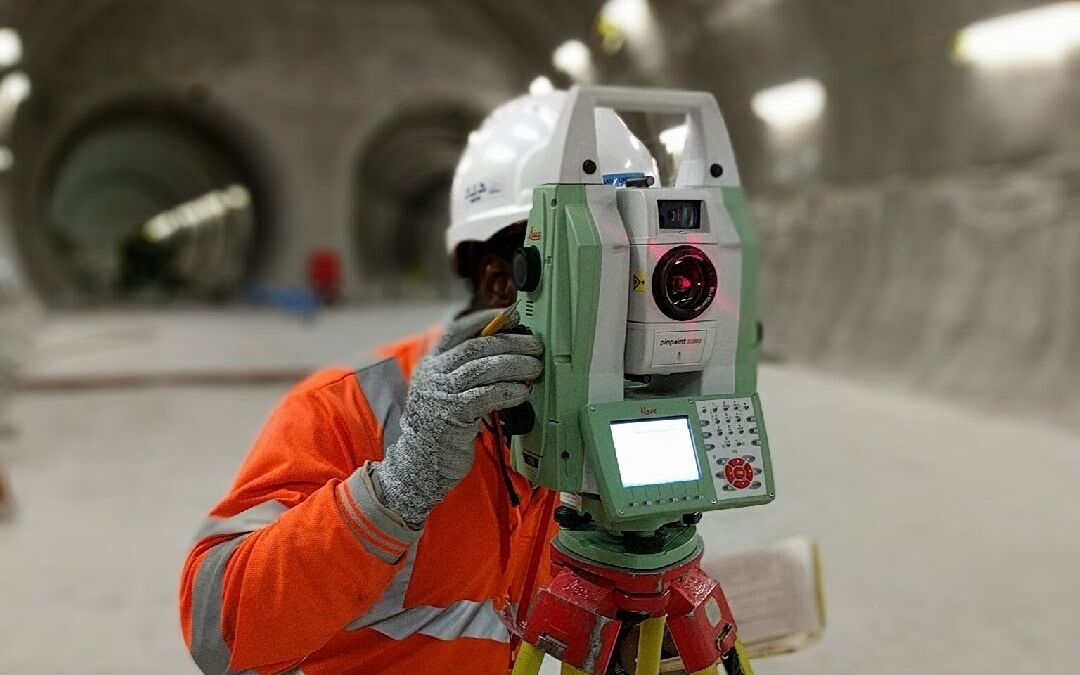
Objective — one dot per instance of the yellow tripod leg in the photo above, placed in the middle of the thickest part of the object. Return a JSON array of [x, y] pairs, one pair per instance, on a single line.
[[528, 660], [744, 662], [650, 640]]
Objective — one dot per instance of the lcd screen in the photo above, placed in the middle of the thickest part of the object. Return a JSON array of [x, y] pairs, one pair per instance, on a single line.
[[655, 452]]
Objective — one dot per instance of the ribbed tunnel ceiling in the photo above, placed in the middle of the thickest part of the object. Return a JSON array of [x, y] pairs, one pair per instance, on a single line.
[[525, 30], [725, 44], [731, 47], [313, 92]]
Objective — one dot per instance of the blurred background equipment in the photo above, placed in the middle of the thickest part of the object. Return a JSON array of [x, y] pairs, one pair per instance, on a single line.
[[913, 169]]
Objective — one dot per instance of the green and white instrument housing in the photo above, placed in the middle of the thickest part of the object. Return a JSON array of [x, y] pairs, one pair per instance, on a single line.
[[641, 417]]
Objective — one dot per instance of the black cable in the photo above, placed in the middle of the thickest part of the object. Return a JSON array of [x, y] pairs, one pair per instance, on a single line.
[[501, 448]]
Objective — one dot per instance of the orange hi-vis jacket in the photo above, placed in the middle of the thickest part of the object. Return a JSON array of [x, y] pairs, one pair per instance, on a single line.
[[301, 570]]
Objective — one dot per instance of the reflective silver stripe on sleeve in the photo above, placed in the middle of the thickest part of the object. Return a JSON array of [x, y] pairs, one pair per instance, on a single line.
[[255, 518], [380, 531], [464, 618], [392, 601], [361, 490], [208, 647], [383, 385]]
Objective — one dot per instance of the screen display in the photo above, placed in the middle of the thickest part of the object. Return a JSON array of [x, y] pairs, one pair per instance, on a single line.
[[655, 452], [679, 214]]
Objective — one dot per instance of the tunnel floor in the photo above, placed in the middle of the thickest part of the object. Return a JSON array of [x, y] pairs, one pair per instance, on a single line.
[[949, 537]]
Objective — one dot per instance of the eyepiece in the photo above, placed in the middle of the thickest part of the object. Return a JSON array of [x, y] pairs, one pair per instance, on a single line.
[[527, 268]]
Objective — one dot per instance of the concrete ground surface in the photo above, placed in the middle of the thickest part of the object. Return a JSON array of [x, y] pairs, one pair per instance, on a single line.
[[950, 538], [121, 346]]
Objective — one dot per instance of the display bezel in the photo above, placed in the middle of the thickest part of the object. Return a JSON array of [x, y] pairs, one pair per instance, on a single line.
[[626, 503]]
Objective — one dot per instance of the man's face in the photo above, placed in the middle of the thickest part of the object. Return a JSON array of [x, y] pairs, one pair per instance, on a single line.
[[492, 270], [495, 283]]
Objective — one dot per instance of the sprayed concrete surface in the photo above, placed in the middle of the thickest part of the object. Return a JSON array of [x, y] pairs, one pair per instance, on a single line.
[[949, 538], [962, 285]]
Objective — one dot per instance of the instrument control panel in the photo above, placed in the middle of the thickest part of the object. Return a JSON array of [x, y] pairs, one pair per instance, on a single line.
[[736, 448]]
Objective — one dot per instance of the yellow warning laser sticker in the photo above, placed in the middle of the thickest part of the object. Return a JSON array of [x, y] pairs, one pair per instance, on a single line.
[[638, 282]]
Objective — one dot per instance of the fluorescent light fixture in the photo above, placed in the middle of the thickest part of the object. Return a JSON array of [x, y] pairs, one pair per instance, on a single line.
[[574, 58], [631, 22], [674, 139], [541, 85], [7, 159], [209, 210], [1041, 35], [790, 105], [10, 47], [14, 88], [624, 19]]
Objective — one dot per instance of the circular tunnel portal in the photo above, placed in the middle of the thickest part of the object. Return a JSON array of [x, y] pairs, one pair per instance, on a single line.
[[403, 203], [145, 208]]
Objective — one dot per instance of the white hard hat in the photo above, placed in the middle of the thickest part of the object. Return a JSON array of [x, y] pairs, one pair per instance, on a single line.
[[507, 157]]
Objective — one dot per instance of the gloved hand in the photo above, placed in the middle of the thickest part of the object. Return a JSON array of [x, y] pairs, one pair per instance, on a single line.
[[463, 380]]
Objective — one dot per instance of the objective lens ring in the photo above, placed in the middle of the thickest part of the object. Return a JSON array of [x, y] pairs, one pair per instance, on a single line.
[[684, 283]]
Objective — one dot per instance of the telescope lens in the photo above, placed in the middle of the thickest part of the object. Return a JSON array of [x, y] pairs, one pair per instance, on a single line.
[[684, 283]]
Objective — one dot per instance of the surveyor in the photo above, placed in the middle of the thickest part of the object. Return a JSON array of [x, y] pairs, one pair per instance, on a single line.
[[375, 526]]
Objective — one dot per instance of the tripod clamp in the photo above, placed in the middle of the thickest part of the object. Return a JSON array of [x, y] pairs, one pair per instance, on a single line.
[[578, 618]]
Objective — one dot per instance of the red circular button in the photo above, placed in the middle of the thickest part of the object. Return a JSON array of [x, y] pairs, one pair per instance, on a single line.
[[738, 473]]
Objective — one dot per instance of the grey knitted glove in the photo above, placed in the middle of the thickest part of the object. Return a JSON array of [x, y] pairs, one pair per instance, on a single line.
[[465, 379]]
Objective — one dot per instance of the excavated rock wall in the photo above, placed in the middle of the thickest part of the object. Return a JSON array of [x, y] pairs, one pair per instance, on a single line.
[[967, 284]]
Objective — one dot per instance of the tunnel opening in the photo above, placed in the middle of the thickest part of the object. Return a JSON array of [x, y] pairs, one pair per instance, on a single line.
[[149, 207], [402, 199]]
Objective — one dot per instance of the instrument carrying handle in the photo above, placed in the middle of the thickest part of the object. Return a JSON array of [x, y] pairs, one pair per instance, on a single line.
[[707, 157]]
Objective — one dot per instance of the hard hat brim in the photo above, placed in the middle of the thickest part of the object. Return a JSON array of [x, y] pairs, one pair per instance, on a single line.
[[485, 227]]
